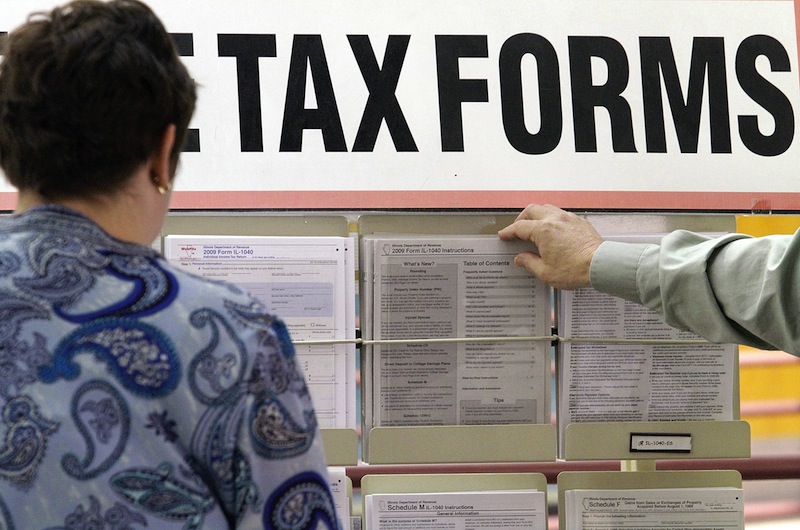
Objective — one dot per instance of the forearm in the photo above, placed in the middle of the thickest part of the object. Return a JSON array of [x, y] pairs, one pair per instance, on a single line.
[[731, 289]]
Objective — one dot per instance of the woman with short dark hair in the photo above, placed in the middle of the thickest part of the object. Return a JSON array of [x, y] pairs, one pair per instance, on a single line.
[[132, 394]]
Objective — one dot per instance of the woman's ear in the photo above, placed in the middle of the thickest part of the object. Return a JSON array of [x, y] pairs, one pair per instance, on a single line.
[[160, 167]]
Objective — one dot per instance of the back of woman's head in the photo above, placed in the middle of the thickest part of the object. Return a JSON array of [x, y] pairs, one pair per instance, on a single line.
[[85, 93]]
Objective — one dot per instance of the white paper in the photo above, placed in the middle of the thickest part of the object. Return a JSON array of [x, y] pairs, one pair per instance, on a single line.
[[651, 509], [454, 287], [659, 374], [338, 481], [304, 281], [353, 417], [456, 511]]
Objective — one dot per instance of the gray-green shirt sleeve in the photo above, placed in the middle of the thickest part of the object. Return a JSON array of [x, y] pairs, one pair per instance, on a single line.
[[733, 289]]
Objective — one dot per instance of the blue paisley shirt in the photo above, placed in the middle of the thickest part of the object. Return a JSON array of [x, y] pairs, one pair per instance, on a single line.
[[135, 395]]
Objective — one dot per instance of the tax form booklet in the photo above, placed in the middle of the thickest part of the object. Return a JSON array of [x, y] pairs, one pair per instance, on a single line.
[[455, 333], [309, 282], [524, 509], [668, 508]]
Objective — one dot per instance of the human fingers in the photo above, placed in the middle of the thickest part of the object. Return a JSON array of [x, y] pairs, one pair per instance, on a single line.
[[525, 225], [534, 212], [565, 244], [520, 229], [529, 260], [546, 271]]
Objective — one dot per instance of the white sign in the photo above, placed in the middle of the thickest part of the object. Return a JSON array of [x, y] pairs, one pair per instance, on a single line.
[[473, 95]]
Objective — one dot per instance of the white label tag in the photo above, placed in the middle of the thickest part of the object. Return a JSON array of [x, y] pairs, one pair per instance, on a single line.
[[661, 443]]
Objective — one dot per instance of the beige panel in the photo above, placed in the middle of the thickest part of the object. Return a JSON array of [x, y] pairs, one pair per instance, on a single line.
[[341, 446], [612, 441], [251, 224], [462, 444]]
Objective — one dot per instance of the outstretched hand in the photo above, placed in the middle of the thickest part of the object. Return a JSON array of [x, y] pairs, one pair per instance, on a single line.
[[565, 244]]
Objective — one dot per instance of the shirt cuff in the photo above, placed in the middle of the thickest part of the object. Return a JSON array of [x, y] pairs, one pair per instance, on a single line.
[[614, 268]]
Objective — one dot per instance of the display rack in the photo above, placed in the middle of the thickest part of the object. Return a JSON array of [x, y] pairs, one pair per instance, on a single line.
[[582, 441], [502, 443]]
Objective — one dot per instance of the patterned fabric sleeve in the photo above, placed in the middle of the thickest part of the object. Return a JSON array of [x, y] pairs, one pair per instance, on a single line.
[[134, 395], [260, 441]]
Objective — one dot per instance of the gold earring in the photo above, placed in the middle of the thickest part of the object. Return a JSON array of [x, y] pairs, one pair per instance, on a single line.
[[161, 189]]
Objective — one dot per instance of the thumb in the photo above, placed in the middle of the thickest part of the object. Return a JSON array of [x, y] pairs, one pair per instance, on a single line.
[[531, 261]]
